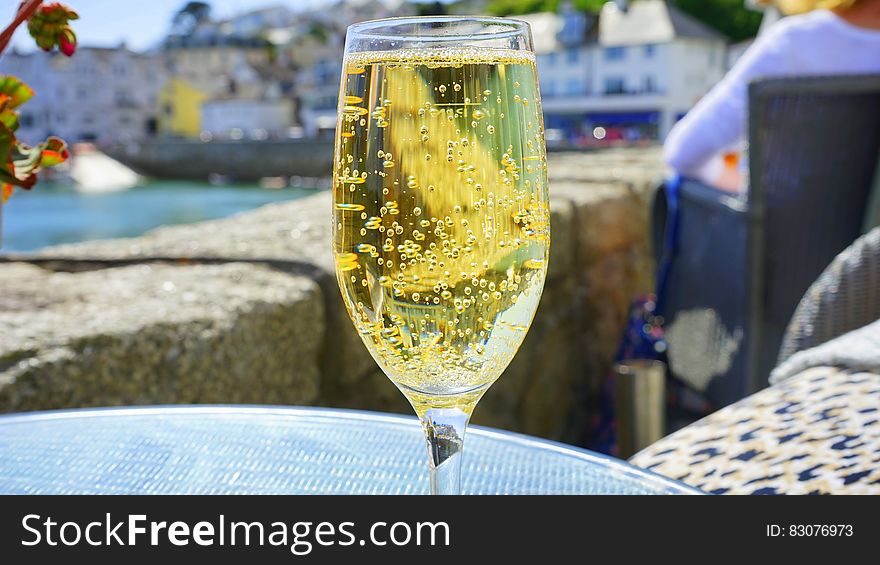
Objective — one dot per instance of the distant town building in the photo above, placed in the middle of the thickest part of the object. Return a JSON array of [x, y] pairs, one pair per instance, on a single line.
[[100, 94], [255, 22], [627, 74], [254, 84], [318, 59], [315, 46], [180, 108], [255, 119], [229, 77], [219, 66]]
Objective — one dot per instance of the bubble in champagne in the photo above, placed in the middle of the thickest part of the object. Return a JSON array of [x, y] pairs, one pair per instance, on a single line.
[[350, 207], [347, 261], [355, 110]]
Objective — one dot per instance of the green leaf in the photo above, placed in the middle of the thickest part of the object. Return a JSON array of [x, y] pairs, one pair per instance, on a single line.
[[17, 91], [8, 118], [7, 142]]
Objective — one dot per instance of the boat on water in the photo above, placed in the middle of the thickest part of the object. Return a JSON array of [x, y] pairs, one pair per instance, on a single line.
[[237, 160], [89, 170], [93, 171]]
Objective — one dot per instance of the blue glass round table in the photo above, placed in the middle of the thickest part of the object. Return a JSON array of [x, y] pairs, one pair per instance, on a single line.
[[277, 450]]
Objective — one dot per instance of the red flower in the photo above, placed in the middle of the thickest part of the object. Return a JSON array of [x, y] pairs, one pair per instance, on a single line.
[[67, 41]]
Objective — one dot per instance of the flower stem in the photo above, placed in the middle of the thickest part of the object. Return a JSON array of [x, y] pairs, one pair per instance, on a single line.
[[25, 10]]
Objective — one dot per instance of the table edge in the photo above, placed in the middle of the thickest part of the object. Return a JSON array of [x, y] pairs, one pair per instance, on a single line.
[[219, 409]]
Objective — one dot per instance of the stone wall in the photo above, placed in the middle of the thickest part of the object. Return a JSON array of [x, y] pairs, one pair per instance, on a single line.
[[246, 309]]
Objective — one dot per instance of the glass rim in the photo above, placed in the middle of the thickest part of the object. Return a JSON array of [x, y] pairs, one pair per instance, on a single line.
[[369, 29]]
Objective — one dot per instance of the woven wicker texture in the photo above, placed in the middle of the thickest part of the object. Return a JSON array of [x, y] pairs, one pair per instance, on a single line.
[[240, 450], [813, 154], [844, 298]]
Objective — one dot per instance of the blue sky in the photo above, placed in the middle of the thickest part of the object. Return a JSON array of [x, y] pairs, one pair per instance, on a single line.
[[140, 23]]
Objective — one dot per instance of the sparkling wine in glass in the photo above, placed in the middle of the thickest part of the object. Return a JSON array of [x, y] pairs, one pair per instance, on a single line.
[[441, 222]]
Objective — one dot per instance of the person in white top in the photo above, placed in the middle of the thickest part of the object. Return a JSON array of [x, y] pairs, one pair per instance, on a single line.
[[844, 39]]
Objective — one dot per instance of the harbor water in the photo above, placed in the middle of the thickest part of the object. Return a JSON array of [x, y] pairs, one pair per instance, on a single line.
[[55, 213]]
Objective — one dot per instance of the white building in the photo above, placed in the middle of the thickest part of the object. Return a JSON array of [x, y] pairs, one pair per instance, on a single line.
[[633, 73], [103, 94], [255, 118], [99, 94]]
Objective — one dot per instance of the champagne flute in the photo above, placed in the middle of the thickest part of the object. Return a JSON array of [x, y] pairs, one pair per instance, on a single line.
[[441, 220]]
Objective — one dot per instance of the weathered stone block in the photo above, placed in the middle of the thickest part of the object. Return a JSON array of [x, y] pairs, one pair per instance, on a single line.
[[157, 334], [296, 236]]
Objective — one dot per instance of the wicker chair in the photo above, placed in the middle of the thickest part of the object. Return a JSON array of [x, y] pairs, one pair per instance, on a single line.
[[741, 266], [814, 432], [845, 297], [813, 154]]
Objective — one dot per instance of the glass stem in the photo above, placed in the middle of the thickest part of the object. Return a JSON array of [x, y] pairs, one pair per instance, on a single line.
[[444, 432]]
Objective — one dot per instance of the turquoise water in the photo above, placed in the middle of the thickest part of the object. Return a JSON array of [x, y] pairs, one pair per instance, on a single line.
[[53, 214]]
